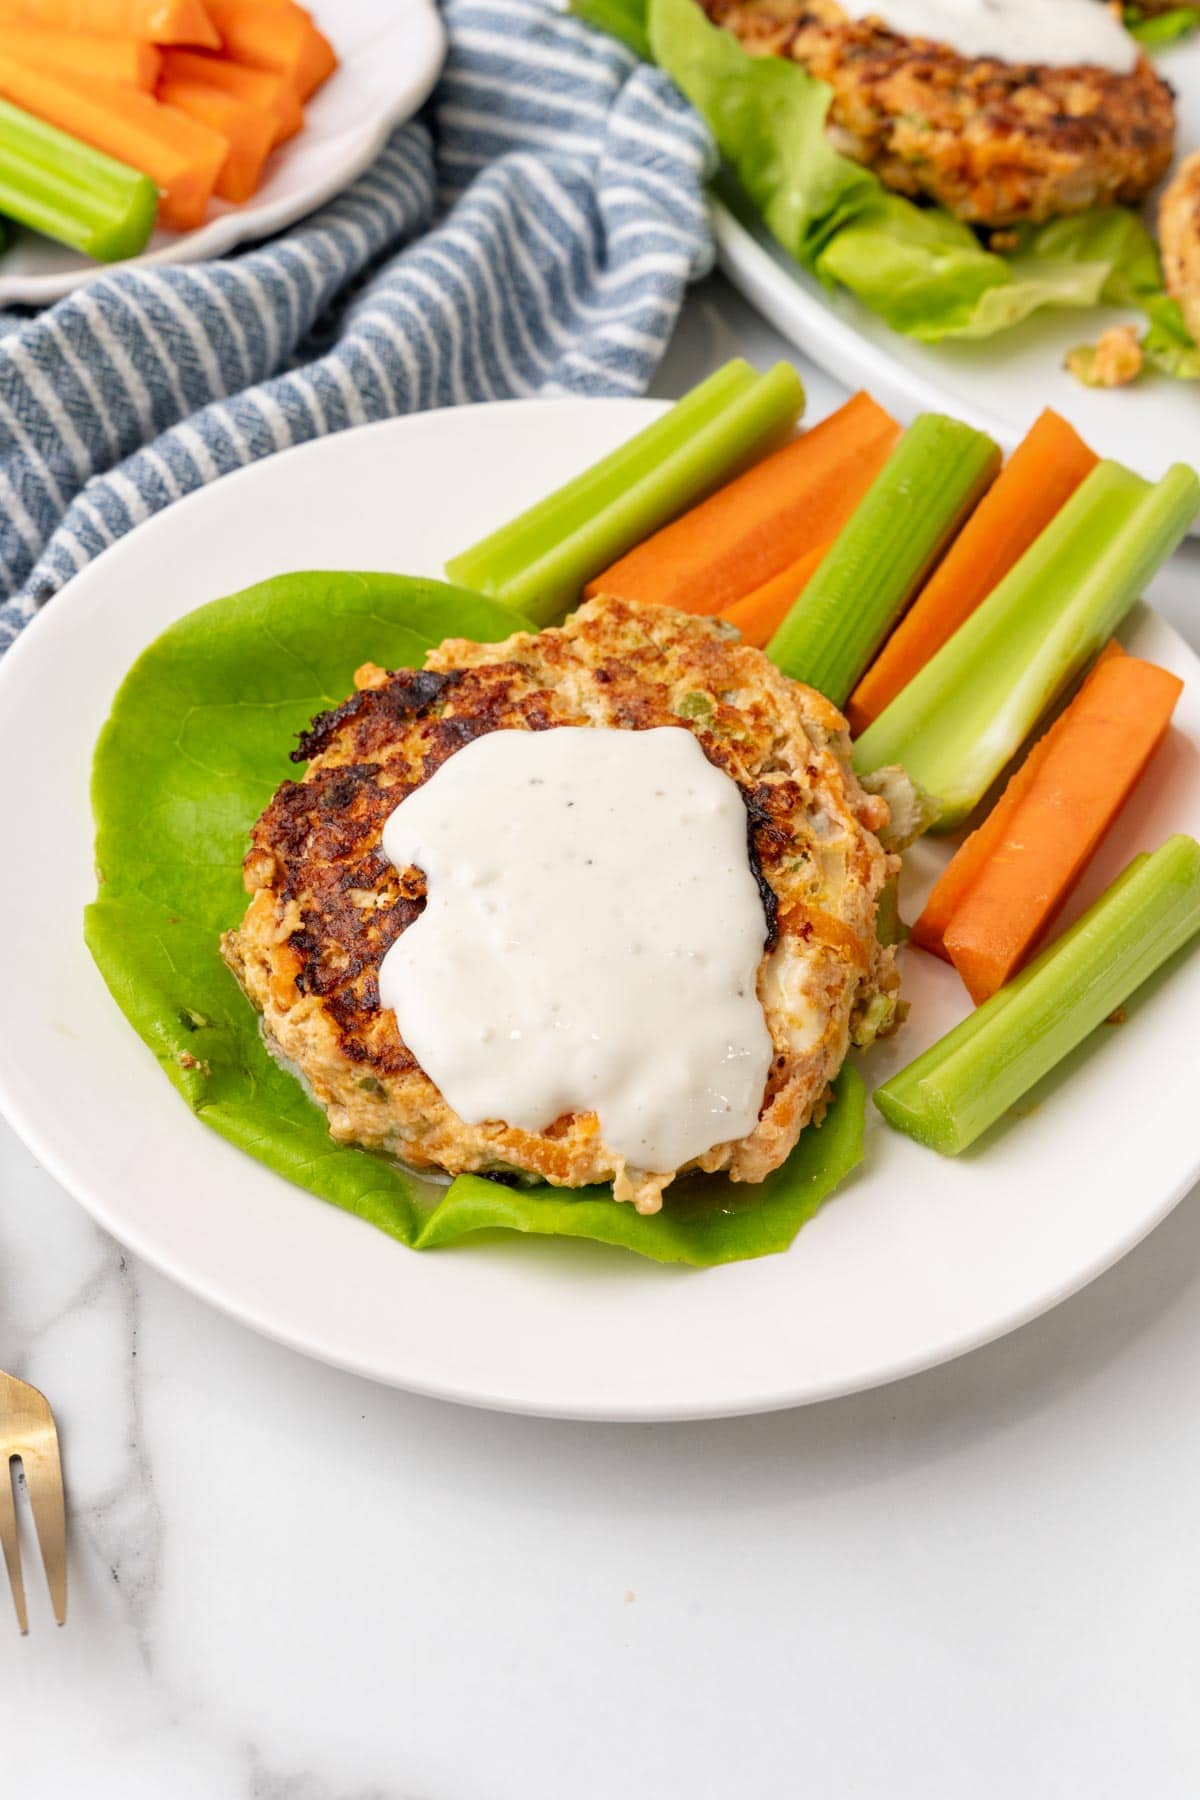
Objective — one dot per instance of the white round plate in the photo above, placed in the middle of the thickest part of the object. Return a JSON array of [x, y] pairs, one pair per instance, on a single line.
[[389, 51], [999, 386], [914, 1261]]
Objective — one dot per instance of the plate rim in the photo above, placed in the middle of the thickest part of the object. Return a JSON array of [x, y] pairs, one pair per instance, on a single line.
[[250, 223], [582, 1411], [39, 1138]]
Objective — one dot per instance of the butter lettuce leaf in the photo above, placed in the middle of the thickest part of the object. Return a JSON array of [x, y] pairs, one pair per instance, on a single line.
[[928, 275], [1155, 30], [1115, 239], [196, 744], [922, 271]]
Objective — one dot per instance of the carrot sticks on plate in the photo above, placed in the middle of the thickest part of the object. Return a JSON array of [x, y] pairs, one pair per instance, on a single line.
[[157, 21], [1039, 478], [181, 156], [1008, 881], [752, 529]]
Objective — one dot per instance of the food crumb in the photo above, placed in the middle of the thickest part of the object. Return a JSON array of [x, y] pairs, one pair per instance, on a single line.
[[630, 1596], [1117, 1017], [1114, 360]]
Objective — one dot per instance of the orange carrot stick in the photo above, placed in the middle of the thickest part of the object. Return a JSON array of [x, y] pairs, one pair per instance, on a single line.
[[82, 53], [971, 857], [1100, 747], [249, 132], [757, 525], [759, 615], [1040, 477], [973, 854], [275, 34], [181, 156], [265, 89], [157, 21]]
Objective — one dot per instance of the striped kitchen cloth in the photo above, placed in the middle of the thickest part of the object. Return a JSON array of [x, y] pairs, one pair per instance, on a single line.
[[533, 233]]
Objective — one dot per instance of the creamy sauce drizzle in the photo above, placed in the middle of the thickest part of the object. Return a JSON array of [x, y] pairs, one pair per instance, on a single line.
[[1058, 32], [590, 942]]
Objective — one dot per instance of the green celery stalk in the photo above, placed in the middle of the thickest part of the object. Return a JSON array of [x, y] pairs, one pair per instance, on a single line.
[[967, 713], [508, 550], [1158, 29], [70, 192], [539, 562], [889, 925], [963, 1083], [928, 486]]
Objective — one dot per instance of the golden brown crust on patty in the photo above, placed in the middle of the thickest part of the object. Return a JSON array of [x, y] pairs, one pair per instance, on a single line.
[[1179, 235], [996, 143], [327, 904]]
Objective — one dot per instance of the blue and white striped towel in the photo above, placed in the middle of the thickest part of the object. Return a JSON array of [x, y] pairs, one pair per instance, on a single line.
[[534, 234]]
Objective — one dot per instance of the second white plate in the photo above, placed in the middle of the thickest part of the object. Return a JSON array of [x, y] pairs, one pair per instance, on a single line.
[[389, 55]]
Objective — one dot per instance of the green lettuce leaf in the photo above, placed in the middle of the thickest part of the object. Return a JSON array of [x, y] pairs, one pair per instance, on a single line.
[[923, 272], [624, 20], [928, 275], [1115, 239], [1154, 30], [1168, 345], [195, 746]]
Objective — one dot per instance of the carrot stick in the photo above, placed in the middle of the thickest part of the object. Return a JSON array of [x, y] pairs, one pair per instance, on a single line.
[[1040, 477], [157, 21], [1100, 747], [265, 89], [971, 857], [756, 526], [275, 34], [77, 53], [249, 132], [181, 156], [973, 854], [759, 615]]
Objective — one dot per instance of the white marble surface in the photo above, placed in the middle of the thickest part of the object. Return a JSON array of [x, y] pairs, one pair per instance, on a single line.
[[289, 1585]]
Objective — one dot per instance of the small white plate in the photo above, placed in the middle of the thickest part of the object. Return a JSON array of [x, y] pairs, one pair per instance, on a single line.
[[389, 55], [999, 386], [915, 1261]]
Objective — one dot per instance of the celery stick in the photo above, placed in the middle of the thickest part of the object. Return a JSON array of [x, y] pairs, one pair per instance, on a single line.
[[963, 1083], [967, 713], [70, 192], [539, 562], [509, 550], [889, 925], [923, 494]]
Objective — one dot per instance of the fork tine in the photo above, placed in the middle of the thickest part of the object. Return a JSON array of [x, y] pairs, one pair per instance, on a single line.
[[44, 1485], [27, 1431], [12, 1550]]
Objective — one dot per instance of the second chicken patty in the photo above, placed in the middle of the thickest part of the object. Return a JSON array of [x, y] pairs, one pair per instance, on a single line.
[[997, 144]]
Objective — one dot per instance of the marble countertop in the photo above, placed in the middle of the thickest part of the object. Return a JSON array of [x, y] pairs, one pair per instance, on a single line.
[[287, 1584]]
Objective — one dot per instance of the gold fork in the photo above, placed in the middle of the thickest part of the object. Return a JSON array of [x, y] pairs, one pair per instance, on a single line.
[[28, 1434]]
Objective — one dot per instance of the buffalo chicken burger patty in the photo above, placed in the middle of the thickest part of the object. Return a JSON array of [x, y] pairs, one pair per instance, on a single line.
[[327, 903], [995, 143]]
